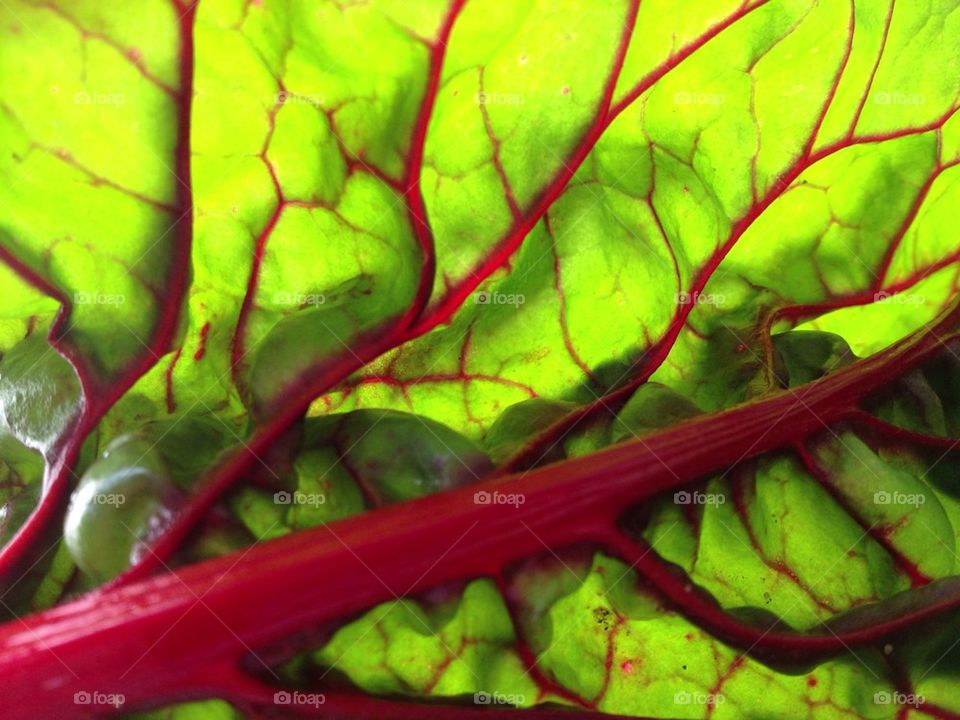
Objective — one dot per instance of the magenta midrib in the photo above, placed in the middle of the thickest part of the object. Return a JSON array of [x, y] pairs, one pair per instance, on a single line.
[[313, 575], [413, 194], [99, 397]]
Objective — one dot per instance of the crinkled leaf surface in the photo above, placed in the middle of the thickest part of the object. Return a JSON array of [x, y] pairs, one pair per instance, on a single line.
[[331, 256]]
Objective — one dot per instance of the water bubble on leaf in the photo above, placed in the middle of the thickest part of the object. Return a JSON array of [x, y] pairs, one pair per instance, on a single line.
[[123, 502], [39, 393]]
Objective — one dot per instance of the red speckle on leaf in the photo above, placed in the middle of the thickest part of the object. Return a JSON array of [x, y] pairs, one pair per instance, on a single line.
[[627, 666], [565, 90], [811, 681], [202, 347]]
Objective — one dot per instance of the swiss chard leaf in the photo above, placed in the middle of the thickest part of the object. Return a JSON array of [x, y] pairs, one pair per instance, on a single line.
[[543, 353]]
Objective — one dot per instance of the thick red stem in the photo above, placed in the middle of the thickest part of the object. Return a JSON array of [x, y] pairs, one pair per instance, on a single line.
[[214, 612]]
